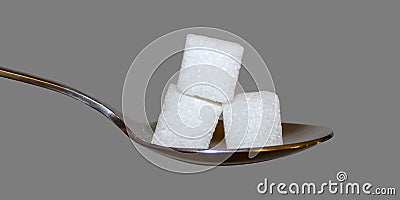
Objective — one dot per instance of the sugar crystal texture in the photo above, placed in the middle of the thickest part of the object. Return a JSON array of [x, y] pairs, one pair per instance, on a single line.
[[186, 121], [252, 120], [210, 68]]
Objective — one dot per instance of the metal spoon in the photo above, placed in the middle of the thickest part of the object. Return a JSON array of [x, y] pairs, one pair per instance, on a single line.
[[296, 137]]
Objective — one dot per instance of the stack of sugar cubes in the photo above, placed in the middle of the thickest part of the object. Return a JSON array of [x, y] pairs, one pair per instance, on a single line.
[[206, 88]]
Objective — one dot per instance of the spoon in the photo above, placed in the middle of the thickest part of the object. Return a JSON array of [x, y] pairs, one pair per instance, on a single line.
[[296, 137]]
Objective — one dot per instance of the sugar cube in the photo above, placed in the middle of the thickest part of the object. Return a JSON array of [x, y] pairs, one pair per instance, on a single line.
[[186, 121], [252, 120], [210, 68]]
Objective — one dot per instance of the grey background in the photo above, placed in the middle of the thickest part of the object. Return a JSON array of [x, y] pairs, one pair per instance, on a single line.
[[335, 63]]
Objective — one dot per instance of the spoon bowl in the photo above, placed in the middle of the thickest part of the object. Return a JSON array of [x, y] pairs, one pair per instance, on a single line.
[[296, 137]]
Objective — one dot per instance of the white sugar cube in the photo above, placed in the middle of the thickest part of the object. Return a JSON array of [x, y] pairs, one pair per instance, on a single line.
[[252, 120], [186, 121], [210, 68]]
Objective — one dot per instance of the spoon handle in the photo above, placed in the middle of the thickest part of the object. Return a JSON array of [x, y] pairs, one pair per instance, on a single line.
[[104, 109]]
